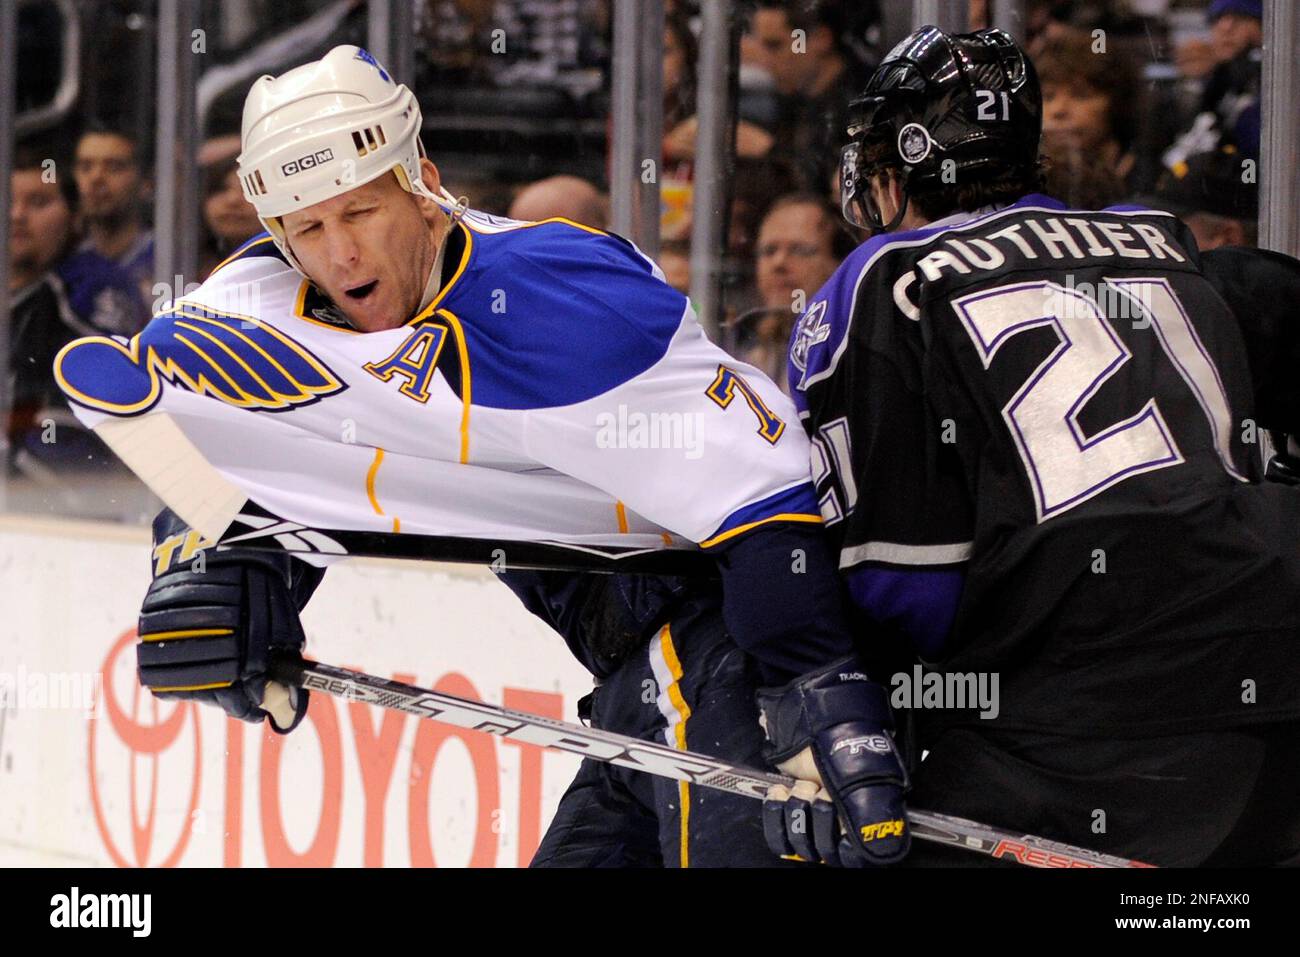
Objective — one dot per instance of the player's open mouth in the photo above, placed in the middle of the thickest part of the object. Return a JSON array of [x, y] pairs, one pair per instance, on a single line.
[[362, 291]]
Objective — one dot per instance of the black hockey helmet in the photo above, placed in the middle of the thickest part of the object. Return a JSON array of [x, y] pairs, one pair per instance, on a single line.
[[972, 98]]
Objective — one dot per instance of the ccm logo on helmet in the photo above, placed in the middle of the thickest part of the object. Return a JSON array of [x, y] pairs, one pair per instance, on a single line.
[[307, 162]]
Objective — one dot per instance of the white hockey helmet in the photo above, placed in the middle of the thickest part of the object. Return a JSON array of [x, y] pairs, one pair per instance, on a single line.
[[323, 129]]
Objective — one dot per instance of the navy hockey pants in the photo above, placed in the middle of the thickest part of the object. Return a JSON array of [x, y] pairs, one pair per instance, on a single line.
[[693, 689]]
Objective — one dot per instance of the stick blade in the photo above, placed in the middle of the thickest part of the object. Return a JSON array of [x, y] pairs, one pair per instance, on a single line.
[[155, 449]]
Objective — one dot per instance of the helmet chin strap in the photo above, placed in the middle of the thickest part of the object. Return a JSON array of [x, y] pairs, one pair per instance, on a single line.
[[434, 282], [872, 221], [454, 215], [898, 216], [458, 206]]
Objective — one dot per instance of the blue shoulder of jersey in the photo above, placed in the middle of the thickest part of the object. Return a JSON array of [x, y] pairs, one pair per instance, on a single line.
[[556, 313]]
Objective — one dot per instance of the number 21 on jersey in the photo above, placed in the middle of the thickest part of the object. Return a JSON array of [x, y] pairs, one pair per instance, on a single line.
[[1065, 467]]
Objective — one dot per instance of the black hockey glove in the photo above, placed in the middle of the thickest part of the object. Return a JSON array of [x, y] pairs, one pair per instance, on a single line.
[[212, 620], [831, 730]]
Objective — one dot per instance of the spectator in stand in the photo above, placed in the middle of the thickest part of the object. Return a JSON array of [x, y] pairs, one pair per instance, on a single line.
[[799, 246], [1118, 20], [229, 219], [681, 126], [1229, 111], [681, 52], [800, 243], [56, 295], [453, 40], [565, 196], [675, 190], [754, 186], [110, 169], [559, 43], [1089, 101], [803, 45], [675, 261], [1195, 59], [1236, 27], [1071, 176], [1215, 196]]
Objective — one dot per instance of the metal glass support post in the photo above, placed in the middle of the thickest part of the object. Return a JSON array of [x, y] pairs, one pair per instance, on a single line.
[[1279, 193], [390, 28], [948, 15], [1009, 15], [712, 148], [650, 124], [176, 187], [8, 82]]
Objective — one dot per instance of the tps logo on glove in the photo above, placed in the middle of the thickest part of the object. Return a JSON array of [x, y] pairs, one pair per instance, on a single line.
[[883, 829]]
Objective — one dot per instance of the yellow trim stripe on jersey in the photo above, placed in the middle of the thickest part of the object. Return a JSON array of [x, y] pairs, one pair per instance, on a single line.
[[299, 304], [542, 222], [784, 517], [674, 693], [300, 301], [370, 481], [190, 633], [621, 511], [455, 278], [463, 351], [370, 488]]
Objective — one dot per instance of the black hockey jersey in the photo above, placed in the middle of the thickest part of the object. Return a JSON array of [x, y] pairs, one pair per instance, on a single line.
[[1033, 444]]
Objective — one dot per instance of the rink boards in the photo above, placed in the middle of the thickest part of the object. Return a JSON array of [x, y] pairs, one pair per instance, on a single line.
[[94, 771]]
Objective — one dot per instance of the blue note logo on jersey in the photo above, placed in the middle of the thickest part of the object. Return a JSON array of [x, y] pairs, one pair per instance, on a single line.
[[237, 359], [811, 330]]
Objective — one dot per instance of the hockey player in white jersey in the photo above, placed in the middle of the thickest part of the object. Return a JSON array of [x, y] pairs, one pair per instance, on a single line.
[[404, 364]]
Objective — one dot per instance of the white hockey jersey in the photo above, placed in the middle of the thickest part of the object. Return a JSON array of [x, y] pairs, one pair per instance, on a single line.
[[556, 388]]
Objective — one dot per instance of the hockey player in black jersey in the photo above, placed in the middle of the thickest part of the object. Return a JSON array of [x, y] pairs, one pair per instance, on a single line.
[[1037, 448]]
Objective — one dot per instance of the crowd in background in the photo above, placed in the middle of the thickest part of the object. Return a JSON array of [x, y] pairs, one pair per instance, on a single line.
[[1161, 109]]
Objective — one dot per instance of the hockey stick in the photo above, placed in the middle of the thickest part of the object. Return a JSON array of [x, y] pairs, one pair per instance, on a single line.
[[660, 759], [269, 531], [158, 451]]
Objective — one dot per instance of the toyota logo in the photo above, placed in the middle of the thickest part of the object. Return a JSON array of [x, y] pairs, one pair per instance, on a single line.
[[146, 731]]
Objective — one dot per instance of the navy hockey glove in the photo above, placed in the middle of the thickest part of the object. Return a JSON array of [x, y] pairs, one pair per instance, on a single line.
[[212, 620], [831, 730]]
